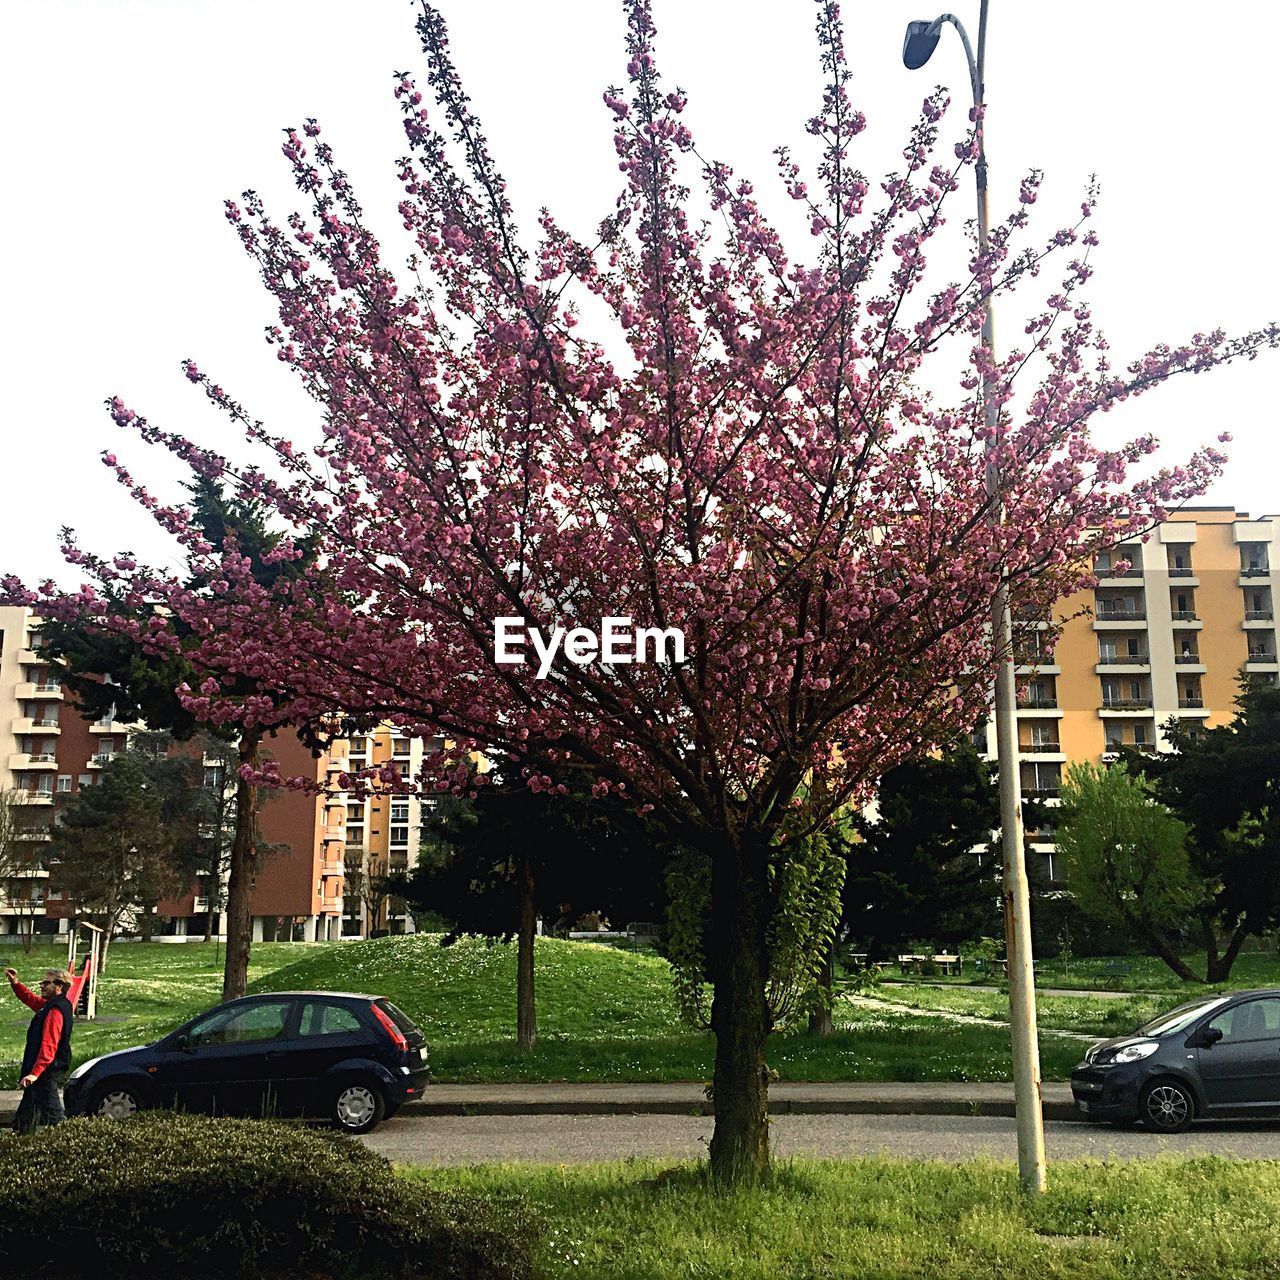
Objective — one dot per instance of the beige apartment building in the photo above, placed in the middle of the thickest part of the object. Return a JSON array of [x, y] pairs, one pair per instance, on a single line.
[[1163, 639]]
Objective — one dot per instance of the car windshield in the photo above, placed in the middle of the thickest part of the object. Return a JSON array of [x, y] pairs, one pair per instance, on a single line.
[[1183, 1016]]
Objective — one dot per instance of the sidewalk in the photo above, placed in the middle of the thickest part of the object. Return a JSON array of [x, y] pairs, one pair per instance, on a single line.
[[785, 1097]]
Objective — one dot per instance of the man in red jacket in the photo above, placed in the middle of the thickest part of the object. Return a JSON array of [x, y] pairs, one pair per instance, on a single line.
[[47, 1056]]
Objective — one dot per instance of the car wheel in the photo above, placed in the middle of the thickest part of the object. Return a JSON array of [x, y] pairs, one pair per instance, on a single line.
[[116, 1102], [1167, 1106], [358, 1107]]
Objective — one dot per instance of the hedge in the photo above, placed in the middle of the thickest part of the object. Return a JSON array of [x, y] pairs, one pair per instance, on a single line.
[[182, 1195]]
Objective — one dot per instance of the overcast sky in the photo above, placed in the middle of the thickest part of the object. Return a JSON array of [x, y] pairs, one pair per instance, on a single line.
[[128, 122]]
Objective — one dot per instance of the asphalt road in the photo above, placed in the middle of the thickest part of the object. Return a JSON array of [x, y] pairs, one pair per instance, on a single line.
[[460, 1140]]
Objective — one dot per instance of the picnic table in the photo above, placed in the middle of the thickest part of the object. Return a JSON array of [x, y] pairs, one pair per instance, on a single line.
[[948, 964]]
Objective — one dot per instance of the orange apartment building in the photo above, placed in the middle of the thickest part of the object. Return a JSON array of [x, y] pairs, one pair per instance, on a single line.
[[1165, 638]]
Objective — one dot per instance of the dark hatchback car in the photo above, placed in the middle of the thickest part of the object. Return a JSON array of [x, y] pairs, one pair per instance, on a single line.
[[1218, 1056], [350, 1059]]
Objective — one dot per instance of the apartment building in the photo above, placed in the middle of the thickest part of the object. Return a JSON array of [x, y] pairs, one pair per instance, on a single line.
[[382, 834], [48, 752], [1164, 638]]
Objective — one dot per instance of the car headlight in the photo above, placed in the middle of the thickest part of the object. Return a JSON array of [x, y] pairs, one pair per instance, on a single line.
[[83, 1069], [1136, 1052]]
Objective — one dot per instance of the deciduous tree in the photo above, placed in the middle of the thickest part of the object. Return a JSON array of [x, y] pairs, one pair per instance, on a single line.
[[133, 838], [1126, 857]]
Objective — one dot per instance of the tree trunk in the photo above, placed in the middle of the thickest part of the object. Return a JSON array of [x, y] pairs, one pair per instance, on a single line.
[[526, 1011], [244, 867], [1160, 945], [1219, 968], [821, 1022], [738, 959]]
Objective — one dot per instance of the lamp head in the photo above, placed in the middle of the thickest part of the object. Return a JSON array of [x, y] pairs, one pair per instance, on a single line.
[[920, 42]]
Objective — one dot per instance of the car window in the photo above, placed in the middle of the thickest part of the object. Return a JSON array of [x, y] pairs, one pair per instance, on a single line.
[[322, 1019], [1183, 1016], [243, 1024], [399, 1017], [1252, 1020]]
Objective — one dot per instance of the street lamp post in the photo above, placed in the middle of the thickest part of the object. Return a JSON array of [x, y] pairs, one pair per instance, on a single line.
[[921, 40]]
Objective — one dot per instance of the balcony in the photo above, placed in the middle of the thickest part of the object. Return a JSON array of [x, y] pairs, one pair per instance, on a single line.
[[1187, 659], [1183, 615], [1181, 573], [1126, 704], [43, 760], [1255, 571], [1040, 793], [30, 690], [1185, 703], [1258, 615], [31, 797], [1114, 619], [1037, 704], [32, 658], [115, 726], [34, 837], [1106, 576], [101, 760]]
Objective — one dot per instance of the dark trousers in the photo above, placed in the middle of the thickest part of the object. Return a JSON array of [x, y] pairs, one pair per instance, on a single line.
[[41, 1102]]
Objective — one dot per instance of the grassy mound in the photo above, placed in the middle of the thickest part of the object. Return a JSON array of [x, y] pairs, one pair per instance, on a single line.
[[467, 992], [164, 1195]]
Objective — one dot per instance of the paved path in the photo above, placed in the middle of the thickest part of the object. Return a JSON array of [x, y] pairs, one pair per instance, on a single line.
[[446, 1140], [947, 1015]]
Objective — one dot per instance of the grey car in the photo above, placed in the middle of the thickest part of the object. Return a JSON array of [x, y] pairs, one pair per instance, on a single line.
[[1216, 1056]]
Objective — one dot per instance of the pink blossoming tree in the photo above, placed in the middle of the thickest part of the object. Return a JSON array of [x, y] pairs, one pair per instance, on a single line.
[[758, 450]]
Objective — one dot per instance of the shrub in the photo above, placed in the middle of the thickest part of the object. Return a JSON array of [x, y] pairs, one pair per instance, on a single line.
[[166, 1195]]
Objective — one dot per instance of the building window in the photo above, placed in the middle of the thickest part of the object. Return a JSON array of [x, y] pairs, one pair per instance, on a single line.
[[64, 782]]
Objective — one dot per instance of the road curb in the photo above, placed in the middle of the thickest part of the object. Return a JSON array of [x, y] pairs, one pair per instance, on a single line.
[[426, 1110]]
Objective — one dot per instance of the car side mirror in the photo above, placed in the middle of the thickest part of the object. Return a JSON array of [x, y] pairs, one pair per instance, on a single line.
[[1209, 1037], [182, 1042]]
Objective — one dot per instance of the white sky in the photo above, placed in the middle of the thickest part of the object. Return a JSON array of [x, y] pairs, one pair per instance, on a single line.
[[127, 122]]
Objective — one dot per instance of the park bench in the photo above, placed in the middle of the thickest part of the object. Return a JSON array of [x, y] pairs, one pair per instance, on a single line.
[[949, 964], [1117, 969]]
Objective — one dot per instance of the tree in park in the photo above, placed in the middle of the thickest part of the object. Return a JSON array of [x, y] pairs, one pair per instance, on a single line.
[[129, 654], [133, 838], [1224, 784], [757, 447], [917, 869], [494, 862], [1126, 857]]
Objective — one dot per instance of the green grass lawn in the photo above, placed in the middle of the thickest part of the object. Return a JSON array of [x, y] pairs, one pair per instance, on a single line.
[[911, 1220], [1097, 1016], [604, 1014]]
